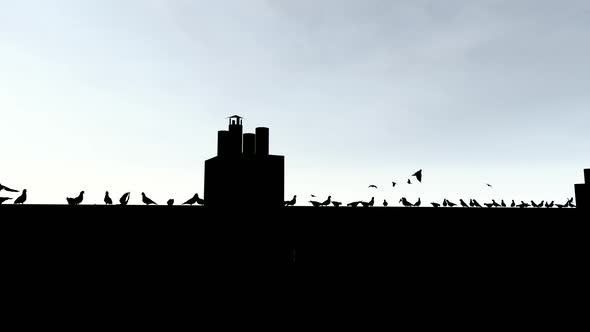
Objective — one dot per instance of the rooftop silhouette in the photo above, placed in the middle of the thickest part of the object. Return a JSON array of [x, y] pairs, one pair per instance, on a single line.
[[583, 191], [244, 173]]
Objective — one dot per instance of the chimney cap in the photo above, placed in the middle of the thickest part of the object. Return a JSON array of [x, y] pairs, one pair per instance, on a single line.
[[234, 117]]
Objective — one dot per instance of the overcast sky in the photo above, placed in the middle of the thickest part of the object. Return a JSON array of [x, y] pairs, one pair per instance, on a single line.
[[127, 95]]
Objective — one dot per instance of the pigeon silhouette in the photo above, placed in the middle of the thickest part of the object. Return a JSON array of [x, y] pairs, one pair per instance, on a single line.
[[435, 205], [405, 202], [370, 203], [77, 200], [418, 203], [373, 186], [354, 204], [449, 203], [409, 182], [291, 202], [463, 204], [476, 203], [7, 189], [146, 200], [550, 205], [315, 203], [328, 201], [385, 203], [418, 175], [495, 203], [170, 202], [107, 199], [393, 183], [125, 199], [513, 204], [22, 198], [336, 204], [4, 199], [195, 199], [503, 204]]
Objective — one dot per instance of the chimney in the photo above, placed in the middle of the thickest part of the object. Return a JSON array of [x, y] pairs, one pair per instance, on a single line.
[[249, 144], [235, 138], [222, 142], [262, 141], [587, 175]]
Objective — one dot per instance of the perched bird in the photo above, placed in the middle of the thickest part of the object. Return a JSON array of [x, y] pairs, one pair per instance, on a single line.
[[22, 198], [570, 203], [385, 203], [405, 202], [336, 204], [393, 183], [327, 202], [195, 199], [542, 203], [445, 202], [418, 175], [524, 204], [503, 204], [409, 182], [316, 204], [370, 203], [418, 203], [489, 205], [476, 203], [107, 199], [77, 200], [289, 203], [170, 202], [353, 204], [471, 204], [513, 204], [450, 204], [463, 204], [124, 199], [534, 204], [7, 189], [373, 186], [549, 205], [146, 200], [4, 199], [560, 206], [495, 203], [435, 205]]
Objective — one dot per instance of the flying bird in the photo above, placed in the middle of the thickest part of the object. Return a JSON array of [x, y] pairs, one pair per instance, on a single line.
[[418, 175], [291, 202], [77, 200], [170, 202], [146, 200], [22, 198], [393, 183], [195, 199], [124, 199], [489, 185], [107, 199], [7, 189], [409, 182], [4, 199], [373, 186], [312, 195]]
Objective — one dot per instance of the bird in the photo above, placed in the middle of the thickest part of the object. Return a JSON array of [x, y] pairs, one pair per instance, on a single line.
[[418, 203], [146, 200], [353, 204], [489, 185], [4, 199], [560, 206], [370, 203], [463, 204], [327, 201], [77, 200], [195, 199], [373, 186], [524, 204], [534, 204], [107, 199], [315, 203], [495, 203], [312, 195], [570, 203], [418, 175], [405, 202], [336, 204], [393, 183], [471, 204], [435, 205], [124, 199], [513, 204], [476, 203], [409, 182], [450, 204], [22, 198], [385, 203], [445, 203], [542, 203], [291, 202], [170, 202], [549, 205], [7, 189], [503, 204], [489, 205]]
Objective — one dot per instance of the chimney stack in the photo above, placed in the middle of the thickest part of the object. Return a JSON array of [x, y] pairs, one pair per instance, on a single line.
[[222, 142], [249, 144], [262, 141]]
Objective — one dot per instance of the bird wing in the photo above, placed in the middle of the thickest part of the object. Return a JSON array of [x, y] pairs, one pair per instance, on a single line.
[[372, 186], [418, 175], [8, 189]]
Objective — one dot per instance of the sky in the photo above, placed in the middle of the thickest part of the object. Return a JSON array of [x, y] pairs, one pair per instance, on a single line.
[[127, 95]]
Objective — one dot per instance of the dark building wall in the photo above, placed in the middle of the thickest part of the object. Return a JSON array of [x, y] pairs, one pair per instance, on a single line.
[[262, 141], [222, 143], [583, 196], [249, 144], [235, 139], [587, 176]]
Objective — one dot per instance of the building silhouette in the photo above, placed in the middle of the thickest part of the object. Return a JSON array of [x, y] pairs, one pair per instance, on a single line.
[[583, 191], [244, 173]]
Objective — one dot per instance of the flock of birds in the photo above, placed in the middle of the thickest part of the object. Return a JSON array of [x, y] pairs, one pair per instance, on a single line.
[[124, 200]]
